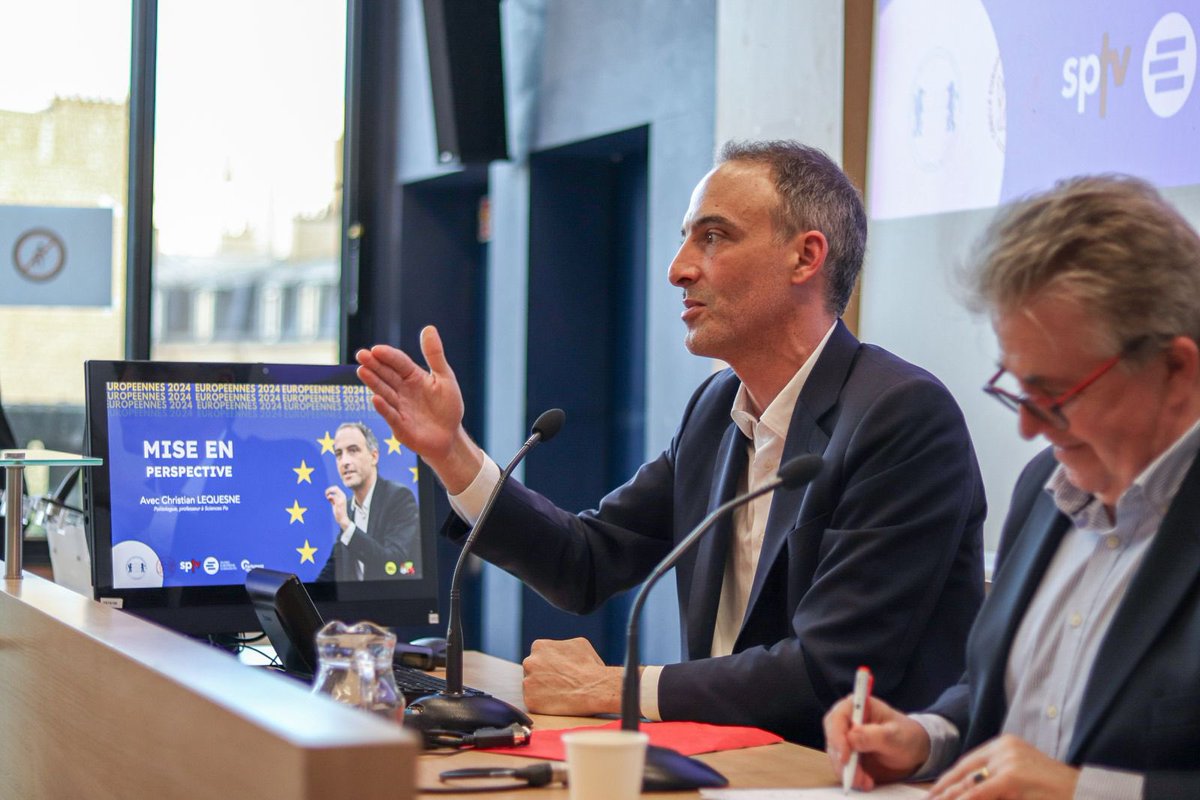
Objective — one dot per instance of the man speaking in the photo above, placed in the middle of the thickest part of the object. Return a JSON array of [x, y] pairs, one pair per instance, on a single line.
[[877, 561], [378, 527]]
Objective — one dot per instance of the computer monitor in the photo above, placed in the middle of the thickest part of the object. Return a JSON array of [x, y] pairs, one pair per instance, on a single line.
[[213, 469]]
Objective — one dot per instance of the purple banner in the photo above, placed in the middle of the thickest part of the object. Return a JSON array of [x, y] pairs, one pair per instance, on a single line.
[[976, 102]]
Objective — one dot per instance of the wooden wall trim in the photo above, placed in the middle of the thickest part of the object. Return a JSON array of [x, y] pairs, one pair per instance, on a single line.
[[858, 34]]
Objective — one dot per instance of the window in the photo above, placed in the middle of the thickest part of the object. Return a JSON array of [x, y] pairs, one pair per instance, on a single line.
[[327, 310], [247, 176], [64, 91], [176, 314], [289, 314], [247, 191]]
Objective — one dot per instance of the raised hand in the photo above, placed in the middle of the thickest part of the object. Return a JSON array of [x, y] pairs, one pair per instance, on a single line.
[[423, 408], [337, 502]]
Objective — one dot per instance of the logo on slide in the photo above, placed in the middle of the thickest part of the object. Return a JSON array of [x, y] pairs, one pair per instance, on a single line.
[[211, 565], [1085, 75], [135, 568], [936, 109], [1169, 64]]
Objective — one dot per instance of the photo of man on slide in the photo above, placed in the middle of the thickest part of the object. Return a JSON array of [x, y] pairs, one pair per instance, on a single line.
[[377, 535]]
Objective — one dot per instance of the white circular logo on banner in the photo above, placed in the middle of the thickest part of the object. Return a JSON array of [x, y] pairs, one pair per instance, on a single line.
[[211, 565], [131, 565], [1169, 64], [135, 568]]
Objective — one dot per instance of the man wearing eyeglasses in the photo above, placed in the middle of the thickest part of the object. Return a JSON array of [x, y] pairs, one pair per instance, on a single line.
[[1083, 667]]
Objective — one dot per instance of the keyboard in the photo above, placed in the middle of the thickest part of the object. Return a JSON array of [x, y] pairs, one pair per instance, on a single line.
[[410, 681], [414, 683]]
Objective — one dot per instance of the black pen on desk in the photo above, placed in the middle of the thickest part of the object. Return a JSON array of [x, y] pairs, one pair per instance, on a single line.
[[534, 775], [862, 693]]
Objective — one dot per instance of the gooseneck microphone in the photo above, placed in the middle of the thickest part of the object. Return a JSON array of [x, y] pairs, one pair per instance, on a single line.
[[451, 709], [666, 769]]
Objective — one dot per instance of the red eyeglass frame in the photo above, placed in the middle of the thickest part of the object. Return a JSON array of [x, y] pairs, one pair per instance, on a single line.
[[1050, 413]]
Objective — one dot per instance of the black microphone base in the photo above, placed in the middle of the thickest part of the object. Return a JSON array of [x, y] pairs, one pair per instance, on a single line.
[[669, 771], [462, 713]]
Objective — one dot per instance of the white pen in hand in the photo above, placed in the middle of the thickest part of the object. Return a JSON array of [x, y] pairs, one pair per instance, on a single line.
[[862, 691]]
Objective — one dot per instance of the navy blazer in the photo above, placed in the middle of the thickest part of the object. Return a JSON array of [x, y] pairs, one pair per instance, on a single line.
[[1141, 702], [393, 534], [878, 561]]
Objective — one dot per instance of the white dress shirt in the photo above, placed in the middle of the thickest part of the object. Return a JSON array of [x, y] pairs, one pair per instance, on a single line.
[[766, 435], [359, 516]]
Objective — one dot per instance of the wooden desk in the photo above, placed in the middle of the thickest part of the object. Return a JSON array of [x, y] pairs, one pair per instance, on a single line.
[[100, 704], [765, 767]]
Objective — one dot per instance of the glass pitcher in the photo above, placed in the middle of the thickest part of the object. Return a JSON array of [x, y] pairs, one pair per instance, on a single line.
[[354, 666]]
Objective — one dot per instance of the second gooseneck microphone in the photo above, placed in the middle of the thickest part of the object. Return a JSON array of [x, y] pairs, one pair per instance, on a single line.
[[666, 769]]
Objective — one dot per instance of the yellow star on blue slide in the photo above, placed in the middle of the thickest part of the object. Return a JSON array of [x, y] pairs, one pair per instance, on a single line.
[[303, 472], [326, 443], [306, 552], [413, 470], [393, 444], [296, 512]]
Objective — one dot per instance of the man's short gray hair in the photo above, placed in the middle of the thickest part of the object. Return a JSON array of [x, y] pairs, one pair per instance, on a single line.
[[1111, 243], [368, 434], [814, 194]]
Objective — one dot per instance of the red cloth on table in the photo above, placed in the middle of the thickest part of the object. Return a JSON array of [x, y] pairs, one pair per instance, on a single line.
[[688, 738]]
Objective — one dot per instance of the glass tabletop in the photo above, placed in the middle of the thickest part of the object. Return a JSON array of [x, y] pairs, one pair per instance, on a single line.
[[19, 457]]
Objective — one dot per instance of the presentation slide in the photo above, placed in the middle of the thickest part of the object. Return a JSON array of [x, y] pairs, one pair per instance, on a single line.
[[976, 103], [210, 480]]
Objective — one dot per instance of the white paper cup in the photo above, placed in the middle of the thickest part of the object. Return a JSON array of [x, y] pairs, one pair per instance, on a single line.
[[605, 764]]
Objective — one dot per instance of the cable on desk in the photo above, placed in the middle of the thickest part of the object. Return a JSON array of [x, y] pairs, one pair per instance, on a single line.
[[232, 642], [534, 775], [514, 735], [244, 640], [272, 658]]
